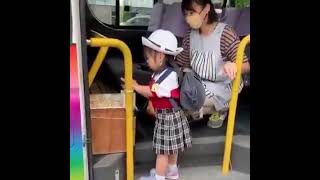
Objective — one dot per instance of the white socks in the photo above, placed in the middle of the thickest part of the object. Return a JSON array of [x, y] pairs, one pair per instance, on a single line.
[[172, 167], [160, 177]]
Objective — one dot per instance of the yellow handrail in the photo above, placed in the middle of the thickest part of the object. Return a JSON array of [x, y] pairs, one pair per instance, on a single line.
[[115, 43], [97, 63], [233, 106], [99, 59]]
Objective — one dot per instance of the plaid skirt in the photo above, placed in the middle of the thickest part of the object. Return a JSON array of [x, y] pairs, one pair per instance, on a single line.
[[171, 132]]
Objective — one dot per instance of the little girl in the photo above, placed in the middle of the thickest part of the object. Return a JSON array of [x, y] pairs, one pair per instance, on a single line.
[[171, 131]]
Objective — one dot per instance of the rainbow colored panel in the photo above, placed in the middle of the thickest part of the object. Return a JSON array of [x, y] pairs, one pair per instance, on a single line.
[[76, 151]]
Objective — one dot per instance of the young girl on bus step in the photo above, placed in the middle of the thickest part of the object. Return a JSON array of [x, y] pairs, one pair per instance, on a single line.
[[171, 131]]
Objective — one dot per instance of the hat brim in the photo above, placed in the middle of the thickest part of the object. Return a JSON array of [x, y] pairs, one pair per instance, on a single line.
[[152, 45]]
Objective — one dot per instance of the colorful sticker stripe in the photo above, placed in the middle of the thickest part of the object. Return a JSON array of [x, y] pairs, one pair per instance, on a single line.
[[76, 151]]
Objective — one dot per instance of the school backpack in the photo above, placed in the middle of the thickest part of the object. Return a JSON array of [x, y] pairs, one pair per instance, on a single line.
[[192, 92]]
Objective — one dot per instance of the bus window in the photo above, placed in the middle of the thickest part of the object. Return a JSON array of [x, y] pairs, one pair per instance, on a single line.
[[135, 12], [104, 10]]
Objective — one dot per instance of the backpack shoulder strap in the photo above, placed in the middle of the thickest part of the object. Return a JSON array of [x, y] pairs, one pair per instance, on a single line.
[[177, 70], [174, 104], [180, 76], [168, 70]]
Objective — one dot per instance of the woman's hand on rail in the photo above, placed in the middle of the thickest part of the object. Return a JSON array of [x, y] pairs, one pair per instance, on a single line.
[[230, 69]]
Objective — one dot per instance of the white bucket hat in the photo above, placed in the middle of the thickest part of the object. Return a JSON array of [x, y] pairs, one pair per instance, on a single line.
[[163, 41]]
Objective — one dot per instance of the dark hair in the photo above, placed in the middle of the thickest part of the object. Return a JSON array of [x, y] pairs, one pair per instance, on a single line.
[[169, 58], [212, 15]]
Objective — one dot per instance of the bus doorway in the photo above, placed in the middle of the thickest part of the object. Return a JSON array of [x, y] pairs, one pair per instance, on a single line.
[[128, 21]]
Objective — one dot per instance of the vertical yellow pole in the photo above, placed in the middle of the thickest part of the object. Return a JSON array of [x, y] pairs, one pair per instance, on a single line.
[[108, 42], [233, 106]]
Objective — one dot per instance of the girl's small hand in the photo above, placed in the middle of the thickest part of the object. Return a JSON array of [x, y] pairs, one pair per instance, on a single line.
[[230, 69], [134, 83]]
